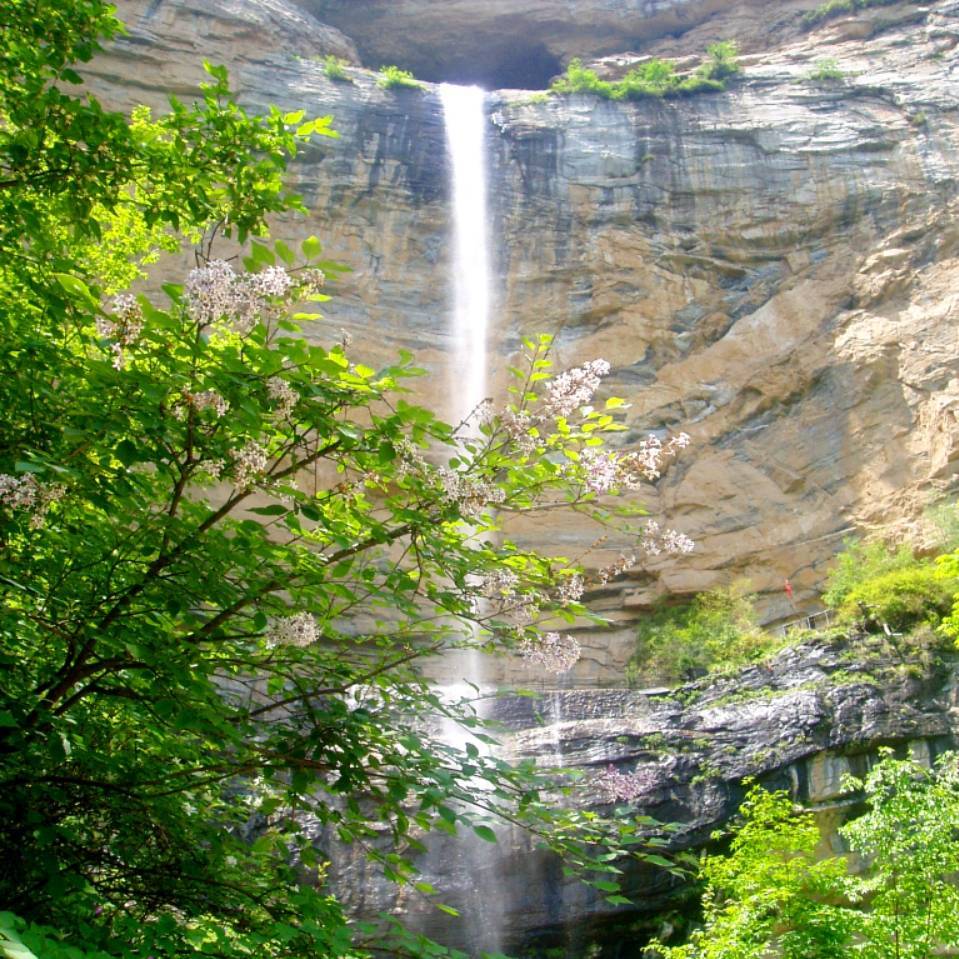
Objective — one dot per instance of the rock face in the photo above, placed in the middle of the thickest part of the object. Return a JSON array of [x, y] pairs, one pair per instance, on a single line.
[[772, 268], [800, 722]]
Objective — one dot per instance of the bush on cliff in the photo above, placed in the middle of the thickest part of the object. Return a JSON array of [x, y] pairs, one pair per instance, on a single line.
[[875, 581], [225, 549], [653, 78], [773, 894], [717, 629]]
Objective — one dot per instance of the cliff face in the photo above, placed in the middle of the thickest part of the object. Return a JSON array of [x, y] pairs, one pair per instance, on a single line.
[[772, 268]]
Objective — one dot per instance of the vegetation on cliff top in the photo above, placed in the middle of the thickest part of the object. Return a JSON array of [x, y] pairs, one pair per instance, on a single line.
[[655, 78]]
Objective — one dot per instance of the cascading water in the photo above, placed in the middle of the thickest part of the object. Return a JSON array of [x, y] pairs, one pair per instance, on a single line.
[[463, 111], [465, 122]]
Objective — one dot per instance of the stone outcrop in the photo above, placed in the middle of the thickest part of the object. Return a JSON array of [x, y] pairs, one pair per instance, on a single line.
[[800, 721]]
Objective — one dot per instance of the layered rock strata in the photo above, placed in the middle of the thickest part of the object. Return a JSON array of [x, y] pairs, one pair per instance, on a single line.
[[772, 268]]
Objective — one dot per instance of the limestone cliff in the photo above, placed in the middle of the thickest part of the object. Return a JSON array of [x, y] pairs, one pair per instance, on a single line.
[[772, 268]]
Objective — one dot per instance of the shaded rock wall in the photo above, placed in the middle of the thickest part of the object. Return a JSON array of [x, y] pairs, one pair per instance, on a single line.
[[772, 268]]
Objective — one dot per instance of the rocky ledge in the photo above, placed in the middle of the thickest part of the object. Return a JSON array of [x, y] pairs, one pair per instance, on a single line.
[[799, 721]]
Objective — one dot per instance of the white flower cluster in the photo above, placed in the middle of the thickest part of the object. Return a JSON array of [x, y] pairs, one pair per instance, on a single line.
[[622, 563], [26, 493], [553, 652], [615, 786], [124, 326], [297, 630], [283, 394], [207, 400], [249, 463], [605, 471], [470, 495], [215, 292], [657, 540], [499, 583], [574, 388], [570, 589]]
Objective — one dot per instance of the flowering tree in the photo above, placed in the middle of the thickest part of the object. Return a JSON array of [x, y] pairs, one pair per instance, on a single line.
[[225, 551]]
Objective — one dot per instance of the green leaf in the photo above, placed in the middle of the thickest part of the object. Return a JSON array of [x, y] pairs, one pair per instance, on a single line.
[[485, 833]]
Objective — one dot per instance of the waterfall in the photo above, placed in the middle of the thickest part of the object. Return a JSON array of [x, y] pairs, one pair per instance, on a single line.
[[466, 141], [465, 123]]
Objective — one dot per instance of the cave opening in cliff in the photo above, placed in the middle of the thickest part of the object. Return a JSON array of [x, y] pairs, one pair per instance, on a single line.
[[517, 64]]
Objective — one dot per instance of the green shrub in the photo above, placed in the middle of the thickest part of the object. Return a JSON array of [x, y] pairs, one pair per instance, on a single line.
[[718, 628], [335, 69], [825, 70], [654, 78], [858, 564], [891, 585], [392, 77], [904, 598]]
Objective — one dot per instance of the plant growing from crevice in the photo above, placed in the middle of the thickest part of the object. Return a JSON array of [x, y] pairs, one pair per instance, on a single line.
[[395, 78], [825, 71], [334, 68]]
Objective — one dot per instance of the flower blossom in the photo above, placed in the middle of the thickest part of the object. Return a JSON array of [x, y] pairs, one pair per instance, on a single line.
[[554, 652], [26, 493], [249, 463], [297, 630], [616, 786], [215, 291], [285, 396], [657, 540], [574, 388], [570, 589], [469, 494], [123, 326], [207, 400]]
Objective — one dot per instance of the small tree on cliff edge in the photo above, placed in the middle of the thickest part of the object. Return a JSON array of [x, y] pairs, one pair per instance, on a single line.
[[224, 550]]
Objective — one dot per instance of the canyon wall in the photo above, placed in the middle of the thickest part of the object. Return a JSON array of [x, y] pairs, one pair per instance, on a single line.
[[772, 269]]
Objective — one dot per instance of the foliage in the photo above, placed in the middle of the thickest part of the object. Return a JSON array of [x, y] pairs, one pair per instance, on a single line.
[[860, 562], [392, 78], [225, 549], [825, 70], [771, 895], [905, 598], [718, 628], [653, 78], [335, 68], [908, 838], [890, 585], [771, 892]]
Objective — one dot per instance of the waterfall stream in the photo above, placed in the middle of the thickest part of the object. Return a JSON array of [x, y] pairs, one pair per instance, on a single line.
[[465, 123]]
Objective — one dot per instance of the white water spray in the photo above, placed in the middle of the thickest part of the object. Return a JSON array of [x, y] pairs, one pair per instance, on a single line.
[[465, 122], [466, 141]]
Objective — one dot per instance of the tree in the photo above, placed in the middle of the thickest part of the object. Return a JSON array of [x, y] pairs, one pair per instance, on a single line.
[[772, 895], [908, 840], [770, 892], [225, 551]]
